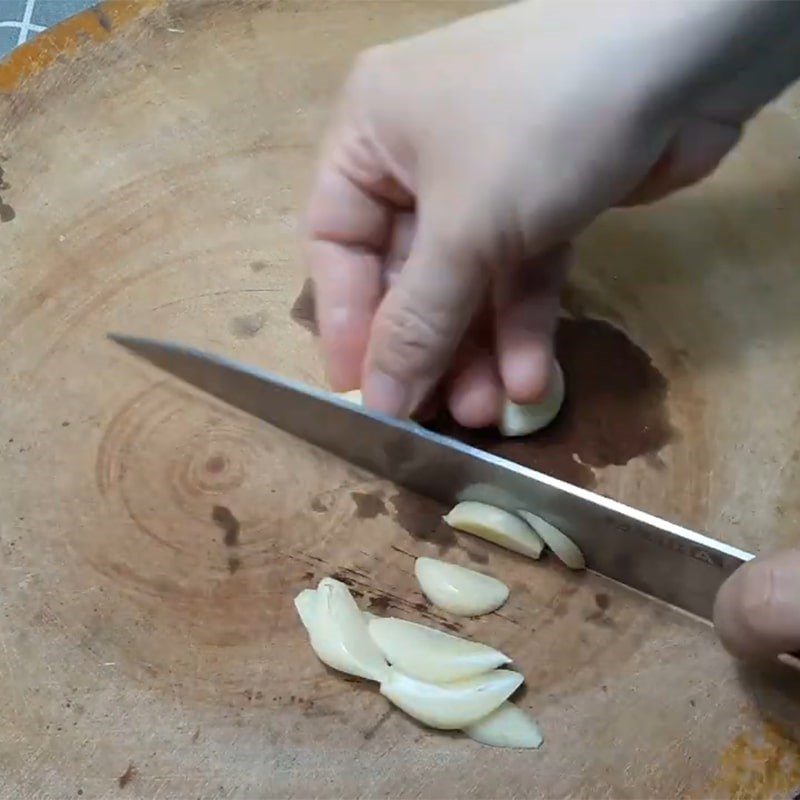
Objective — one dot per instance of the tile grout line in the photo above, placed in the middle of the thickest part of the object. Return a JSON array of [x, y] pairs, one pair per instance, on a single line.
[[25, 27], [14, 24]]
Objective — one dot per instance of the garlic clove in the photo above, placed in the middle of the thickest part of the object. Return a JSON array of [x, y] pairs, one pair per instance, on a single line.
[[520, 420], [495, 525], [450, 706], [459, 590], [564, 548], [354, 396], [306, 605], [339, 635], [507, 726], [430, 655]]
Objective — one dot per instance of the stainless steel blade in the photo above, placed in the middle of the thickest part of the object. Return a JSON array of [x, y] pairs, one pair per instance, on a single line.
[[667, 561]]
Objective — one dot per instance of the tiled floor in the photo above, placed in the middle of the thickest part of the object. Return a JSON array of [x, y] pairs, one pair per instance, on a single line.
[[21, 20]]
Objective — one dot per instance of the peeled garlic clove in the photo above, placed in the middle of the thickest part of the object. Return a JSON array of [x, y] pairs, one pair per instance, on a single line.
[[339, 634], [431, 655], [450, 706], [354, 396], [566, 550], [520, 420], [508, 726], [495, 525], [457, 589], [306, 605]]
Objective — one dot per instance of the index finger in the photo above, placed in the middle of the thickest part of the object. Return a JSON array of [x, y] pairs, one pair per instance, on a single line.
[[347, 232]]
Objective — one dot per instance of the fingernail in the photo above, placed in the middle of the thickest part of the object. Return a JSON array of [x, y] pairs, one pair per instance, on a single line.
[[386, 394], [528, 374]]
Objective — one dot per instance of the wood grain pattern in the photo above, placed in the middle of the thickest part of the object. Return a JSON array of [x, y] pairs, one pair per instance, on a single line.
[[151, 541]]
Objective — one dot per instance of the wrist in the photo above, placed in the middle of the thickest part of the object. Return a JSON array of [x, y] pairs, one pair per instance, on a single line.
[[723, 57]]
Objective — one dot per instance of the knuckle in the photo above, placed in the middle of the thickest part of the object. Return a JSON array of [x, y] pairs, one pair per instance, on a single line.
[[410, 336]]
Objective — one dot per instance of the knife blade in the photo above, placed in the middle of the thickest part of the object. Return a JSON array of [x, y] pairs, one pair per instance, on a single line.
[[667, 561]]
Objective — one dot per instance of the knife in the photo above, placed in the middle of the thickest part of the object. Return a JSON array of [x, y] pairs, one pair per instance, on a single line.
[[663, 560]]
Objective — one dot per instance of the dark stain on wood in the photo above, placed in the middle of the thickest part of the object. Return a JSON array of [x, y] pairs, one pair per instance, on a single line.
[[318, 506], [227, 523], [247, 326], [602, 600], [379, 604], [6, 212], [368, 504], [234, 563], [127, 776], [102, 18], [370, 732], [422, 518]]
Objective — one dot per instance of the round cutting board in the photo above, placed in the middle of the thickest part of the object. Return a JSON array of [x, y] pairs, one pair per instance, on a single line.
[[153, 165]]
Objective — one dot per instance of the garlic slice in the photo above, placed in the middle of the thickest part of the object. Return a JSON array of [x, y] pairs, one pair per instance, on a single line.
[[520, 420], [459, 590], [454, 705], [431, 655], [508, 726], [306, 605], [495, 525], [566, 550], [354, 396], [338, 632]]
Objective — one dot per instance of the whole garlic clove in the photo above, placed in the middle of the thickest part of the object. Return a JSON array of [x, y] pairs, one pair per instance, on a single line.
[[565, 549], [450, 706], [459, 590], [508, 726], [430, 655], [306, 605], [495, 525], [339, 635], [520, 420]]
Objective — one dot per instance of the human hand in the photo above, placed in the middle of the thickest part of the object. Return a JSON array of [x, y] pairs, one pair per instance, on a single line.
[[462, 162], [757, 612]]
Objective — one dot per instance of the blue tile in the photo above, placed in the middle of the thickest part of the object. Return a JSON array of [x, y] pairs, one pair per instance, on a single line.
[[49, 12], [8, 40], [12, 10]]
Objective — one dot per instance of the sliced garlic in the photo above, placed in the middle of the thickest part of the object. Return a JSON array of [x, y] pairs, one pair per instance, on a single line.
[[508, 726], [459, 590], [566, 550], [450, 706], [520, 420], [495, 525], [338, 632], [431, 655], [306, 605], [354, 396]]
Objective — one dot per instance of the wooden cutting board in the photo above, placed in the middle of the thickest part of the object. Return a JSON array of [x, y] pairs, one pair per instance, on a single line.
[[151, 541]]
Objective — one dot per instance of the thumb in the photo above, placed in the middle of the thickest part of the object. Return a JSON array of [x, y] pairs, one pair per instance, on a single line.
[[757, 611], [421, 321]]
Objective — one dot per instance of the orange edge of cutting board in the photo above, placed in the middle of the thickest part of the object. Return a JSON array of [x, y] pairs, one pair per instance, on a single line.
[[96, 24]]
